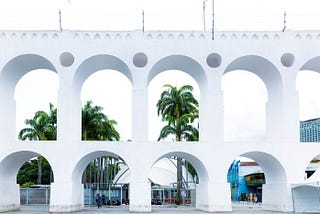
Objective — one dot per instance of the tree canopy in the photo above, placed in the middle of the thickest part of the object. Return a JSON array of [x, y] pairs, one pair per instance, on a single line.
[[178, 108], [43, 126]]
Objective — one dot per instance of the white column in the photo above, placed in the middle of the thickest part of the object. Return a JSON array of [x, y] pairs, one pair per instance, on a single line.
[[10, 195], [7, 115], [211, 117], [140, 196], [66, 196], [277, 197], [140, 114], [291, 122], [69, 115], [274, 120], [213, 197]]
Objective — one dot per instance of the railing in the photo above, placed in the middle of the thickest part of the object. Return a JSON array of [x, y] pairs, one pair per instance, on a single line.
[[34, 196]]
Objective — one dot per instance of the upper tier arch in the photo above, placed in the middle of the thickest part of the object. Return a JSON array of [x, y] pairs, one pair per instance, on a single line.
[[182, 63], [96, 63], [263, 68], [13, 71], [313, 64]]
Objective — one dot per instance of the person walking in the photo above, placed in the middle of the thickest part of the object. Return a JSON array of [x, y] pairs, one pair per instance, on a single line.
[[98, 200]]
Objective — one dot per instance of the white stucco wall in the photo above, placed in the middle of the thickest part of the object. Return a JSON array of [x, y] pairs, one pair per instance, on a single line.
[[276, 57]]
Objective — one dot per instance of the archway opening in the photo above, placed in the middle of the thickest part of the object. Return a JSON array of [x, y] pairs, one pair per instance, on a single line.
[[26, 176], [306, 194], [245, 97], [109, 90], [308, 87], [176, 183], [175, 78], [311, 173], [34, 178], [164, 182], [41, 84], [306, 198], [104, 179], [246, 179], [249, 174]]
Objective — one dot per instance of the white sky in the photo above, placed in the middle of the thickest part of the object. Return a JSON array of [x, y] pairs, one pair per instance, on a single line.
[[163, 15]]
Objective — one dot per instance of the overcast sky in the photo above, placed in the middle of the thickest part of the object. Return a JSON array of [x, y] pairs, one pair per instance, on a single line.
[[249, 123]]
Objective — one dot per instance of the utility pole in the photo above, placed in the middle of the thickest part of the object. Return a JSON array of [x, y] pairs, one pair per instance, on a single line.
[[60, 26], [212, 19], [204, 14], [284, 21], [143, 21]]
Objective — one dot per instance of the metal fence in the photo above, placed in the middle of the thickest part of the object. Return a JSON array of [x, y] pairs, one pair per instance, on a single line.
[[161, 196], [33, 196], [111, 194]]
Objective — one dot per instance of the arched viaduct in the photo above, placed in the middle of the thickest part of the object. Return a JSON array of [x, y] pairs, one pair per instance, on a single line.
[[275, 57]]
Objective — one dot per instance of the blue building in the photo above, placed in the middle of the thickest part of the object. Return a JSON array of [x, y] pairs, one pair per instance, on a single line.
[[310, 130], [246, 180]]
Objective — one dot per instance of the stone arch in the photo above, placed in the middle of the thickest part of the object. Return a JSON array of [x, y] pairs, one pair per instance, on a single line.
[[271, 166], [85, 160], [195, 161], [275, 181], [312, 64], [263, 68], [307, 93], [306, 198], [9, 167], [96, 63], [19, 66], [202, 188], [78, 169], [182, 63], [272, 79], [303, 165]]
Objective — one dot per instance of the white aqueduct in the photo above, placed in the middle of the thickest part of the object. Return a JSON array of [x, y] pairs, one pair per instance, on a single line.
[[276, 57]]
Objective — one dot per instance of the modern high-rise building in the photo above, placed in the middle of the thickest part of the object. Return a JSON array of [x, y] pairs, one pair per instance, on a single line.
[[310, 130]]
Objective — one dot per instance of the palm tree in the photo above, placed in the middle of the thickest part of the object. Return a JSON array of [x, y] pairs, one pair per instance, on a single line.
[[182, 127], [179, 108], [96, 125], [176, 102], [43, 126]]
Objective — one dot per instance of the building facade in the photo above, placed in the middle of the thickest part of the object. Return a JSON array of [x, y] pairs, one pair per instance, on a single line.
[[275, 57], [310, 130], [246, 180]]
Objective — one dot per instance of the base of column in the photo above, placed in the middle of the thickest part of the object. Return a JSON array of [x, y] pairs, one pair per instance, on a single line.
[[65, 208], [214, 197], [10, 207], [140, 208], [140, 197], [277, 197]]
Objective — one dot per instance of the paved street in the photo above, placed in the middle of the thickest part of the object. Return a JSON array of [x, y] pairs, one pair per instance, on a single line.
[[125, 209]]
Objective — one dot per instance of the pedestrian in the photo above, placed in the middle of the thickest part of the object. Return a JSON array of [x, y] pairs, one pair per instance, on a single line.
[[98, 200], [103, 197]]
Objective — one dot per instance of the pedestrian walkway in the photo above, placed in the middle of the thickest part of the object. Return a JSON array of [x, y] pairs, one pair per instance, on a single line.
[[125, 209]]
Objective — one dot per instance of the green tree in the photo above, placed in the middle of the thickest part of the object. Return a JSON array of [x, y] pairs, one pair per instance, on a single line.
[[96, 125], [43, 126], [178, 108]]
